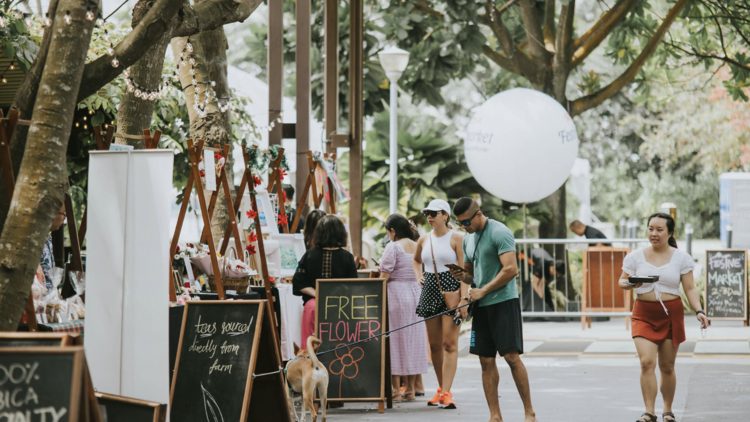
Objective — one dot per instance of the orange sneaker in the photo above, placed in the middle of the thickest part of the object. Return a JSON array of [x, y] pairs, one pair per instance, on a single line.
[[437, 399], [448, 402]]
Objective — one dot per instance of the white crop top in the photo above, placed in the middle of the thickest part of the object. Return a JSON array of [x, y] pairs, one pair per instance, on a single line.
[[444, 253], [669, 275]]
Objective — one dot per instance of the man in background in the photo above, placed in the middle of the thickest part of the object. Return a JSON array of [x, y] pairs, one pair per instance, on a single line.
[[589, 232], [291, 211], [544, 270]]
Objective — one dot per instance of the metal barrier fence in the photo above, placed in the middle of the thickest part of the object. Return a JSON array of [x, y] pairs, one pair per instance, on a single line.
[[573, 277]]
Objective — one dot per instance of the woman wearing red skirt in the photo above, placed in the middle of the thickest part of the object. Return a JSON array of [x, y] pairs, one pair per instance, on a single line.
[[658, 316]]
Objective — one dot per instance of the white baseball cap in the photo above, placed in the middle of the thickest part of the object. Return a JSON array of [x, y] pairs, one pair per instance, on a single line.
[[438, 205]]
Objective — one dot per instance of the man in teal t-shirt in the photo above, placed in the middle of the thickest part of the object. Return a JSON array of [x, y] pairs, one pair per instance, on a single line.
[[490, 264]]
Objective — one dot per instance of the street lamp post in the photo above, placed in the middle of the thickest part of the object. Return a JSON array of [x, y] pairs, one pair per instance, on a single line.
[[394, 61]]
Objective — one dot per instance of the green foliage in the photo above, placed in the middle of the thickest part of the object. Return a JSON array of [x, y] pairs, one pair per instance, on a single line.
[[17, 40]]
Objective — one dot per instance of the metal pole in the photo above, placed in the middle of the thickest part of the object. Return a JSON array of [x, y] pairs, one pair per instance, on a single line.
[[729, 236], [526, 262], [689, 238], [394, 145]]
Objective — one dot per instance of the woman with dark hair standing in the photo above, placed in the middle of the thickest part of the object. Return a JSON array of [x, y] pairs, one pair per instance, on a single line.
[[436, 249], [408, 346], [658, 316], [327, 259], [311, 222]]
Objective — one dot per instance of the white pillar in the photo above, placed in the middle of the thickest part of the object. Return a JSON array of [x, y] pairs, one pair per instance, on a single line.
[[394, 142]]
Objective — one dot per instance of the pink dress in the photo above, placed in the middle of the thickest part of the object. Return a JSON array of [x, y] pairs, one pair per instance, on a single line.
[[408, 346]]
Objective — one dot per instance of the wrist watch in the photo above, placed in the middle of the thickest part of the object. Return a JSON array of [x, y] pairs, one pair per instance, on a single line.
[[700, 312]]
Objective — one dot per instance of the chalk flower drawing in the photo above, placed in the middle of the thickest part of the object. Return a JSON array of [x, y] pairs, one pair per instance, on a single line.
[[346, 364], [211, 406]]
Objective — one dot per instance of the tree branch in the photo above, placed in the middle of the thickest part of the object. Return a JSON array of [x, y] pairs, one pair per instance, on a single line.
[[561, 63], [204, 16], [695, 53], [533, 30], [501, 60], [584, 103], [425, 7], [549, 26], [586, 43]]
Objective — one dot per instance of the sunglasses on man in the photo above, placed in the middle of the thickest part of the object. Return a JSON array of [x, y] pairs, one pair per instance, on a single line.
[[467, 223]]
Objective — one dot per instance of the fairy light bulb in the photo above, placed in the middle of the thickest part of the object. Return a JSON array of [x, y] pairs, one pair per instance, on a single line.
[[191, 61], [131, 88], [47, 20], [100, 22], [126, 73], [106, 36], [5, 81], [69, 19], [2, 22], [85, 126], [27, 21], [12, 66], [89, 14], [115, 62], [189, 47], [91, 112], [213, 83], [110, 51], [138, 93], [77, 125], [192, 71]]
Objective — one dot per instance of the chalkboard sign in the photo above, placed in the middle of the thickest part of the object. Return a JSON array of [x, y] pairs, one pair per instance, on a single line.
[[227, 368], [726, 284], [349, 310], [125, 409], [41, 383], [38, 339]]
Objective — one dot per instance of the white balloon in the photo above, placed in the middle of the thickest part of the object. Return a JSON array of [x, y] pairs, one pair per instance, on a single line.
[[521, 145]]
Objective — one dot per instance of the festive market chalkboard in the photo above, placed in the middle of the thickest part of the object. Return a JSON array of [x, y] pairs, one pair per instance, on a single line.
[[46, 382], [125, 409], [228, 364], [349, 310], [726, 284]]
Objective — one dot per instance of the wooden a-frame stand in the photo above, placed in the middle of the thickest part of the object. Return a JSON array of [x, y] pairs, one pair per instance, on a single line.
[[7, 127], [311, 184], [275, 178], [196, 151]]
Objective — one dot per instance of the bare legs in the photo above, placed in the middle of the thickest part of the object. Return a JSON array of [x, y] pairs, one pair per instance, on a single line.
[[451, 332], [435, 338], [666, 353], [490, 379]]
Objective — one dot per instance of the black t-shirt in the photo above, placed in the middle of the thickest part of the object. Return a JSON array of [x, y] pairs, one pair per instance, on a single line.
[[593, 233], [320, 263]]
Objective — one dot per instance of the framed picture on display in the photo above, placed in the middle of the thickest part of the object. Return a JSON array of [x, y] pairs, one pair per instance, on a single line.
[[265, 213], [291, 247]]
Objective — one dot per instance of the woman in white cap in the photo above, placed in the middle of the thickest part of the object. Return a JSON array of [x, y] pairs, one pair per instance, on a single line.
[[436, 249]]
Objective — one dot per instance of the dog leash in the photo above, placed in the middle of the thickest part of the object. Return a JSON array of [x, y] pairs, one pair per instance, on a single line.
[[388, 333]]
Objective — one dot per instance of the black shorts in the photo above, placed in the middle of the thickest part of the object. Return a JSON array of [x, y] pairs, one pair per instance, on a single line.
[[497, 329]]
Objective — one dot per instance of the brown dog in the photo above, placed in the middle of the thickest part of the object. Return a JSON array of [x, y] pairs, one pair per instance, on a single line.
[[304, 375]]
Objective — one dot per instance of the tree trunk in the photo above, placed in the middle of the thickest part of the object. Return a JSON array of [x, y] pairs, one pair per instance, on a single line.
[[134, 114], [211, 128], [42, 179], [24, 103], [216, 63]]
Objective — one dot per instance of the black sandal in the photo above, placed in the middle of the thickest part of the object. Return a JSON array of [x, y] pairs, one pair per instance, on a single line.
[[670, 414], [647, 417]]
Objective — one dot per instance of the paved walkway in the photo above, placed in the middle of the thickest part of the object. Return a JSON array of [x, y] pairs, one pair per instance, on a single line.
[[592, 376]]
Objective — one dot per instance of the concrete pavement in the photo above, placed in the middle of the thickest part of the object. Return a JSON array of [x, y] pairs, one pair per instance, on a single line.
[[592, 375]]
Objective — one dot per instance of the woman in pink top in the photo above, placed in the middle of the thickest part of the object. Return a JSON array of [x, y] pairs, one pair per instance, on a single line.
[[408, 346]]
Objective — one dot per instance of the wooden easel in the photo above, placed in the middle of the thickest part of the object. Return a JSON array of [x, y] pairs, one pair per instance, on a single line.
[[232, 210], [196, 151], [275, 178], [311, 184]]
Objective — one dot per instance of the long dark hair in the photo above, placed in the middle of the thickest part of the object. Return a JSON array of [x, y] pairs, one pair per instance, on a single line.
[[670, 226], [403, 227], [330, 233], [311, 222]]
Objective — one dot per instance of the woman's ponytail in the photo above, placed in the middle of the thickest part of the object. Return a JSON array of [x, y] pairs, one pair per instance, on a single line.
[[414, 231], [672, 242]]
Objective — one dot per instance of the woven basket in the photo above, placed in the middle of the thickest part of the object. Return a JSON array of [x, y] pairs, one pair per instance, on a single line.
[[230, 283], [238, 284]]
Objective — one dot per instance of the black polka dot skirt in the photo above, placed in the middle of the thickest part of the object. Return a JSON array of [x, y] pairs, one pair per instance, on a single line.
[[431, 302]]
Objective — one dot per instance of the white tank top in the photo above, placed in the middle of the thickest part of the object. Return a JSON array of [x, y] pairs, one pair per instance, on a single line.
[[444, 253]]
